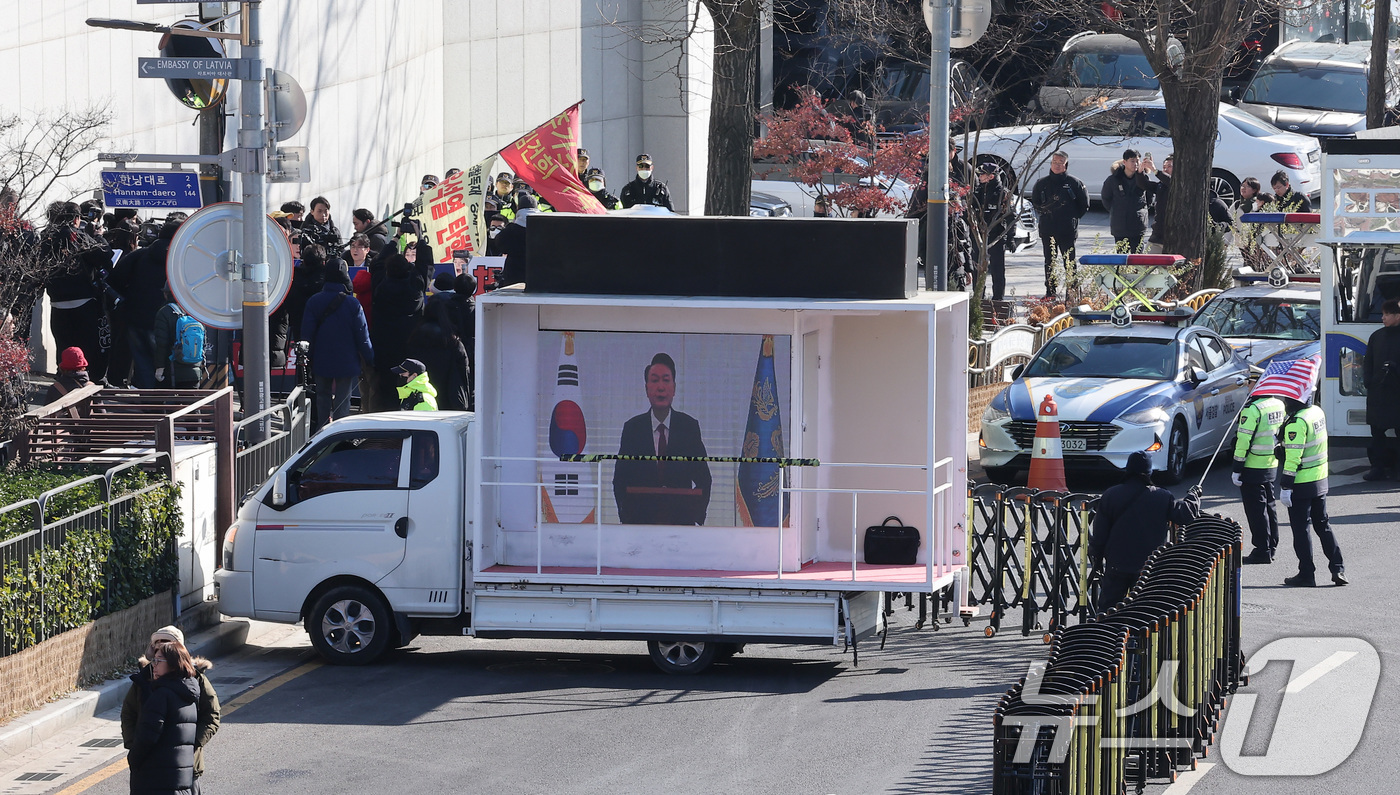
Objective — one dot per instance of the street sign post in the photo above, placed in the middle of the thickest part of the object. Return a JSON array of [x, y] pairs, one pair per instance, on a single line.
[[255, 151], [193, 68], [151, 190]]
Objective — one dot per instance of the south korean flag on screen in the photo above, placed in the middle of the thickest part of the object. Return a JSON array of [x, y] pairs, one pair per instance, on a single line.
[[567, 496]]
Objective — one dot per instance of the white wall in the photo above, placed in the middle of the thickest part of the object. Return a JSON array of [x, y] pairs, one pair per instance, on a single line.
[[652, 98]]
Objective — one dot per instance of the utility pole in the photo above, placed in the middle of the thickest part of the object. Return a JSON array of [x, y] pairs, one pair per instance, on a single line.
[[938, 14], [252, 163]]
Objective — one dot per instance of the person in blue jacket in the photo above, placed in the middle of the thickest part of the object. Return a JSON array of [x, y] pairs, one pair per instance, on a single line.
[[334, 325]]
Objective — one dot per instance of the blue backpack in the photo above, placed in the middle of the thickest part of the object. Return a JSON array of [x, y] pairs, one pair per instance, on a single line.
[[188, 347]]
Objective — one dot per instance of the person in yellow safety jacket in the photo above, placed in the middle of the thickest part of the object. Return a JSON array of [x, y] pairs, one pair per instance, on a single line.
[[1303, 490], [1256, 469], [416, 393]]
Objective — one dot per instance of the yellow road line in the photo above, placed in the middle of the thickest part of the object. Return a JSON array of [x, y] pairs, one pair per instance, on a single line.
[[267, 687], [232, 706]]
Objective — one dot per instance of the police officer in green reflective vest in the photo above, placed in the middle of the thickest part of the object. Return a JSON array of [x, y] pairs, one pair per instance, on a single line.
[[1303, 490], [1256, 469]]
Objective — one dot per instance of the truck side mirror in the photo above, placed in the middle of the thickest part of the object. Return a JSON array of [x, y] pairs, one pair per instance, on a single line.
[[279, 489]]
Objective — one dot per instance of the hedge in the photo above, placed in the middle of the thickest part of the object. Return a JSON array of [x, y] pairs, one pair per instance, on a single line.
[[90, 572]]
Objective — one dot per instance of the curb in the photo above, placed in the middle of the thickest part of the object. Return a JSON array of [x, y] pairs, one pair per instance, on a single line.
[[29, 730]]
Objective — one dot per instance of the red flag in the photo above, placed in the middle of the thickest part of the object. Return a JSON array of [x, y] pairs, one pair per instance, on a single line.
[[547, 158]]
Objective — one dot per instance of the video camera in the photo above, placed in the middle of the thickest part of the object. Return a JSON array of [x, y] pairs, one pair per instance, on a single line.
[[408, 224]]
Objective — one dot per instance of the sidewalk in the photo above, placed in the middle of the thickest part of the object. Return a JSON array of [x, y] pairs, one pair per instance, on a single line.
[[30, 730]]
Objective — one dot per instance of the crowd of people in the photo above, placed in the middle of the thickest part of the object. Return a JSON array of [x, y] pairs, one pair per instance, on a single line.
[[368, 312]]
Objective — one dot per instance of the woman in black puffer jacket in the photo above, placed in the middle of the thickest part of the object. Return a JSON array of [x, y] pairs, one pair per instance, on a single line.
[[162, 756]]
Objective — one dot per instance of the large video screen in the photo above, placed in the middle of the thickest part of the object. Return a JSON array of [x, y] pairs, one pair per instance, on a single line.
[[652, 396]]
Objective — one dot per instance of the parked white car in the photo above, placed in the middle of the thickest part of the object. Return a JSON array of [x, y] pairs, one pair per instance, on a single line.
[[1245, 147]]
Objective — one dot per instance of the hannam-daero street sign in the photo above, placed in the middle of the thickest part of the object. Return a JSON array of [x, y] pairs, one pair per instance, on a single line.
[[155, 190]]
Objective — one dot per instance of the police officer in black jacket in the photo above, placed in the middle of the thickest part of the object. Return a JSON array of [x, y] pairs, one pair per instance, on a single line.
[[1060, 200], [644, 189], [1130, 523]]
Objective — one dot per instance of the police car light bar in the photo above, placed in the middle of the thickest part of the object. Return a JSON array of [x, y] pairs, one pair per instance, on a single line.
[[1120, 316], [1156, 260], [1281, 218], [1276, 277]]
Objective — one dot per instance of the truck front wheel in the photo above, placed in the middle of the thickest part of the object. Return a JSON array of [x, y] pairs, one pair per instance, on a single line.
[[350, 625], [682, 656]]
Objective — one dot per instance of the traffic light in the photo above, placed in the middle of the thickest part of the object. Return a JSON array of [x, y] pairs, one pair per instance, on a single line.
[[196, 94]]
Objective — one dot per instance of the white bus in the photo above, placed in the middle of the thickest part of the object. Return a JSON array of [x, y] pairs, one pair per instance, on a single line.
[[1360, 264]]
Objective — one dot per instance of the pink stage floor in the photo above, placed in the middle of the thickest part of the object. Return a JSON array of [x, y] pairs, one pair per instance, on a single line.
[[816, 572]]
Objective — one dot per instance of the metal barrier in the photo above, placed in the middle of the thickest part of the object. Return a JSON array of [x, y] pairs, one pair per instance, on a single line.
[[27, 557], [1026, 549], [1140, 689], [288, 427]]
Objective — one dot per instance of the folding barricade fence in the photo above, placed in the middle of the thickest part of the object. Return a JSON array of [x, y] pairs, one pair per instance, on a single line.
[[1137, 692], [1027, 549]]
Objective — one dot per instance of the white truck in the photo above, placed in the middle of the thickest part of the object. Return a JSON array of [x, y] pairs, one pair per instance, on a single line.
[[387, 526]]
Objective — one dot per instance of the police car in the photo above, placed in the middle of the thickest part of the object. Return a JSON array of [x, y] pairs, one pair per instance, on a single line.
[[1148, 381], [1268, 318]]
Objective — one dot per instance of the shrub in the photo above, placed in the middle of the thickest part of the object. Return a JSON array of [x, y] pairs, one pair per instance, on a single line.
[[88, 569]]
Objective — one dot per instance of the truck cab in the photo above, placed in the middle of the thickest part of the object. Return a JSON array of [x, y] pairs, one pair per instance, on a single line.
[[370, 514]]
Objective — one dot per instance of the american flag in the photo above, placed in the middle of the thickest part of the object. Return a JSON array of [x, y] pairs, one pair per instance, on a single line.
[[1294, 378]]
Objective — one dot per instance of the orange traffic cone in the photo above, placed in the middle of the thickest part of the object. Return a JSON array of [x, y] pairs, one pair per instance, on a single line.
[[1047, 457]]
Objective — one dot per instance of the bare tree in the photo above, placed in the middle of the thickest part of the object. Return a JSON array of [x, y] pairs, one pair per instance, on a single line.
[[40, 152], [737, 24], [1210, 32], [1380, 66]]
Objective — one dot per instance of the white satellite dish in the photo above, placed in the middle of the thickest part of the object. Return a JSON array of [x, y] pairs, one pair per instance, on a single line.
[[205, 265]]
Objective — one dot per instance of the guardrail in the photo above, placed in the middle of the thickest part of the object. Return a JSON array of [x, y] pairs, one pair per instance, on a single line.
[[36, 564], [288, 427]]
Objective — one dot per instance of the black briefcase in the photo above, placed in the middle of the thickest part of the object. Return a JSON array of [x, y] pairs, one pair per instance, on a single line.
[[895, 544]]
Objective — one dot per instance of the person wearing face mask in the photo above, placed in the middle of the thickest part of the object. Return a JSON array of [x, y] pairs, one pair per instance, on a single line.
[[495, 222], [644, 189], [597, 184]]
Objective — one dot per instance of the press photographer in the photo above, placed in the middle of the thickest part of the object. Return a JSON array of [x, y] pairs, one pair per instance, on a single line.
[[319, 227], [70, 258]]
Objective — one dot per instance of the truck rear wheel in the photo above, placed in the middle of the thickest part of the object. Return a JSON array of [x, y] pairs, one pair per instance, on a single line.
[[350, 625], [683, 657]]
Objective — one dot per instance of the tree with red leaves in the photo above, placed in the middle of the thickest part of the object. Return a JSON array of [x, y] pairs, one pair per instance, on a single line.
[[816, 144]]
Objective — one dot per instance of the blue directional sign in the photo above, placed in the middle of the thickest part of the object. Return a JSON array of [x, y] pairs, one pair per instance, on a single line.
[[155, 190]]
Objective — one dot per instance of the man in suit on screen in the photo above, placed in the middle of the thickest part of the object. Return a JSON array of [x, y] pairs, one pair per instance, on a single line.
[[662, 492]]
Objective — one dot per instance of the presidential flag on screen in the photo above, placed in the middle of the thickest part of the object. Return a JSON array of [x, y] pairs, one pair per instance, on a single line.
[[757, 495], [1294, 379]]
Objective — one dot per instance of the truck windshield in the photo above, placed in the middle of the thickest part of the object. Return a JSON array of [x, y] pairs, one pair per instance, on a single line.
[[1263, 318], [1105, 357]]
